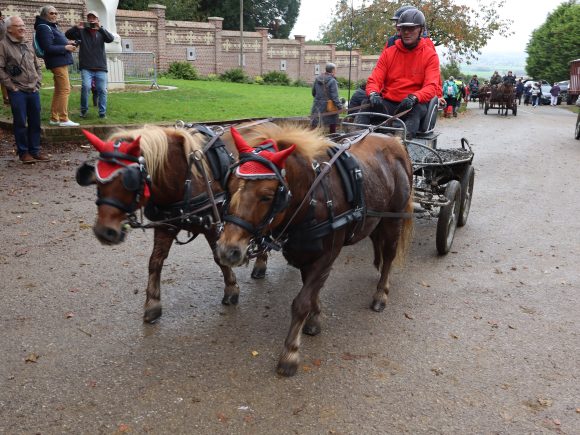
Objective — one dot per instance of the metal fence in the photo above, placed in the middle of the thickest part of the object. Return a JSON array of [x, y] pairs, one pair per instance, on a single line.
[[126, 67]]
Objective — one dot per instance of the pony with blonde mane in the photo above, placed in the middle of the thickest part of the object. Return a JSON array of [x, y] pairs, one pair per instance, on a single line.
[[277, 195], [161, 170]]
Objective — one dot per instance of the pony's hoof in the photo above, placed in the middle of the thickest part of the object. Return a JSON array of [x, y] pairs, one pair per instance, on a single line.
[[378, 306], [311, 329], [151, 315], [286, 369], [258, 273], [231, 299]]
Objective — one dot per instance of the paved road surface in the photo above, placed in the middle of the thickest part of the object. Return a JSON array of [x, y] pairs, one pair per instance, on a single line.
[[484, 340]]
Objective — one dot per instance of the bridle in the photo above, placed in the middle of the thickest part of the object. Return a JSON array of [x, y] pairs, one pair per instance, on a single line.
[[135, 178], [259, 242]]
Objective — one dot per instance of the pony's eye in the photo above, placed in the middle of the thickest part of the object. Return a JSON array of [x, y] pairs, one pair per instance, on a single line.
[[266, 198]]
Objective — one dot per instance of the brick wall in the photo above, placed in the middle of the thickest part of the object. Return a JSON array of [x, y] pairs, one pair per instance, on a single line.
[[215, 50]]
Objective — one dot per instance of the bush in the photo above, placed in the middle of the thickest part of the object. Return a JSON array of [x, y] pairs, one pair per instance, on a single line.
[[235, 75], [300, 83], [343, 83], [277, 78], [259, 80], [182, 70]]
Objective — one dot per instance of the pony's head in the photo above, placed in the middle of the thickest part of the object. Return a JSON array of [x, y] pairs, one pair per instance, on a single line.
[[258, 198], [122, 184]]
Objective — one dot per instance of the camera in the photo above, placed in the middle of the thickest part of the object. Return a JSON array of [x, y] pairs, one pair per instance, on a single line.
[[88, 25], [13, 70], [76, 42]]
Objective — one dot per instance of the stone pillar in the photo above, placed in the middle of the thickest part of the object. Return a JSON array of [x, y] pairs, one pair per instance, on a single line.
[[332, 52], [263, 31], [302, 40], [159, 11], [218, 26]]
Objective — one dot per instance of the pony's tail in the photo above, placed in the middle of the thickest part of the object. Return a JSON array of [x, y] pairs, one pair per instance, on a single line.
[[406, 234]]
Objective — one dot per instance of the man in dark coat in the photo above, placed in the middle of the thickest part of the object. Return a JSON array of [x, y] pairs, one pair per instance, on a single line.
[[358, 98], [325, 88], [92, 60]]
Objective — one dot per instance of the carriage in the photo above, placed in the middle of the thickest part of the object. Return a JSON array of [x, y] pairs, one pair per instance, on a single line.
[[443, 178], [501, 97]]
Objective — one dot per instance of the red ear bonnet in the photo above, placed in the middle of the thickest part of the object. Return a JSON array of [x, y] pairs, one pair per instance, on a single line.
[[255, 169]]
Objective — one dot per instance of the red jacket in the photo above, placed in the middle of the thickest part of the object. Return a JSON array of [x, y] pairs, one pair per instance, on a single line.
[[400, 72]]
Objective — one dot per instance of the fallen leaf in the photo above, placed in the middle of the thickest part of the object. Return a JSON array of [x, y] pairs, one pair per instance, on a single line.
[[69, 315], [248, 419], [124, 428], [85, 226], [32, 358], [545, 402], [255, 353], [437, 371], [222, 417], [497, 271], [424, 284], [408, 316], [92, 383], [35, 203], [513, 268], [306, 368], [454, 336], [317, 362], [493, 323]]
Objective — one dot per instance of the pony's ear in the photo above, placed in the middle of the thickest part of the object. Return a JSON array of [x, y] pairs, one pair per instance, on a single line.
[[280, 157], [240, 142], [94, 141], [134, 148]]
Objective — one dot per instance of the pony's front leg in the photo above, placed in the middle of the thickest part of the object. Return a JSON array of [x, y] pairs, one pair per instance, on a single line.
[[259, 270], [385, 241], [163, 239], [231, 289], [305, 317]]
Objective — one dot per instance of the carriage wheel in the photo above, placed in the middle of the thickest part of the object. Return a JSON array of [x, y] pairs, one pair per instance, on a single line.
[[485, 108], [466, 194], [448, 217]]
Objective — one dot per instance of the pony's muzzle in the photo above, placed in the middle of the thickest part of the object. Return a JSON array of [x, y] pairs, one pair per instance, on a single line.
[[231, 255], [108, 235]]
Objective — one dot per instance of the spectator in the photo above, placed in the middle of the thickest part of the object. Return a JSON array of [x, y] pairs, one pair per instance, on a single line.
[[390, 88], [554, 94], [519, 91], [325, 88], [460, 96], [92, 60], [509, 78], [536, 94], [450, 92], [2, 33], [57, 57], [473, 87], [527, 94], [495, 79], [359, 97], [21, 75]]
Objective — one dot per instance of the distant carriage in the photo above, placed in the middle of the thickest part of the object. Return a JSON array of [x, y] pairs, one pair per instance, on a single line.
[[501, 97]]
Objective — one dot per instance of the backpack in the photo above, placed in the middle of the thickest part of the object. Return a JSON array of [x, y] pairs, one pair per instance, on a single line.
[[37, 48]]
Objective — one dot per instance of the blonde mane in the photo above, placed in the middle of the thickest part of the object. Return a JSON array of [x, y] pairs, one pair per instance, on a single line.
[[155, 146], [309, 143]]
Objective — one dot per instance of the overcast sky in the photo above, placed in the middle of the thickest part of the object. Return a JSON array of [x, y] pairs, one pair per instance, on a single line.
[[526, 15]]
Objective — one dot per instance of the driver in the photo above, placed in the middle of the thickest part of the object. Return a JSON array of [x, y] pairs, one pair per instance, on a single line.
[[406, 76]]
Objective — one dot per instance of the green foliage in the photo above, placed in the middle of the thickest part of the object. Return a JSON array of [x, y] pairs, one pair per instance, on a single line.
[[463, 30], [450, 69], [182, 70], [555, 43], [259, 80], [300, 83], [279, 16], [184, 10], [343, 83], [276, 78], [234, 75]]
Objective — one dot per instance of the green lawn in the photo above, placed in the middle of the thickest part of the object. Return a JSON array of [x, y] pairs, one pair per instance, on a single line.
[[191, 101]]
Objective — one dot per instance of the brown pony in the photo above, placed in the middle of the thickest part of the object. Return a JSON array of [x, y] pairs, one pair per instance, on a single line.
[[162, 170], [502, 96], [282, 202]]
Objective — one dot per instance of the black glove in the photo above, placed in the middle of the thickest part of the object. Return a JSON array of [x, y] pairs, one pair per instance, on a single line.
[[376, 100], [407, 104]]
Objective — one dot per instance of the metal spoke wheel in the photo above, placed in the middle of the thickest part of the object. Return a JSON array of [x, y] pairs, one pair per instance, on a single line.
[[448, 218], [466, 193]]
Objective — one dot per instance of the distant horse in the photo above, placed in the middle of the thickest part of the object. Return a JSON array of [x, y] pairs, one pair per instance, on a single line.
[[502, 97], [276, 197], [168, 172], [483, 95]]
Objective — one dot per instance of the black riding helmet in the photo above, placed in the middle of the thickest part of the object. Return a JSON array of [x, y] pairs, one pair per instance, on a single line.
[[410, 18], [399, 11]]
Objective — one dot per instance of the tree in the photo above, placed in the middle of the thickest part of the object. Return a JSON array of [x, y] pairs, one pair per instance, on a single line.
[[464, 31], [184, 10], [555, 43], [279, 16]]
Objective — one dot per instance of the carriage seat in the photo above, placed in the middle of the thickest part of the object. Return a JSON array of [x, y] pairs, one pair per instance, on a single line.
[[428, 122]]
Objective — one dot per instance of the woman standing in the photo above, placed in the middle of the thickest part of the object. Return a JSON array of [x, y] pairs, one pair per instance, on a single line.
[[325, 88], [57, 57], [536, 94]]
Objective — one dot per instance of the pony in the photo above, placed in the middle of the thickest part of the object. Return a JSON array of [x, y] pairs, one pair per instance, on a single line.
[[288, 191], [502, 95], [176, 174]]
